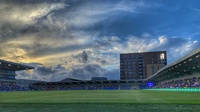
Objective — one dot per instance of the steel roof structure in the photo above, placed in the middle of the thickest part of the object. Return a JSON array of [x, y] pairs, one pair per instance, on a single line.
[[90, 82], [7, 65]]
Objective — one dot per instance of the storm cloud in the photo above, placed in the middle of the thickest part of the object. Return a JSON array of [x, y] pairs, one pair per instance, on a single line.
[[83, 38], [59, 73]]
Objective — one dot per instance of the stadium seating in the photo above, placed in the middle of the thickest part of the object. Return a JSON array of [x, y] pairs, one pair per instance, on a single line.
[[184, 83], [110, 87], [11, 87], [125, 87], [95, 87]]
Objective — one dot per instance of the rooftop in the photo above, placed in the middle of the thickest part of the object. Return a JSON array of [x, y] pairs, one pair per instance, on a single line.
[[7, 65]]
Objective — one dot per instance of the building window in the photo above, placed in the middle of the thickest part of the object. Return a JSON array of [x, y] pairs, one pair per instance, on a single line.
[[140, 62], [162, 56]]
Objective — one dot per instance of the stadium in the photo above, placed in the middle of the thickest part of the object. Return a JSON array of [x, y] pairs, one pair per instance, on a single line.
[[173, 87]]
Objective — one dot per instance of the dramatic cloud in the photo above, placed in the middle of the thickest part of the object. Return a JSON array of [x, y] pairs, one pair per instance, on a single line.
[[59, 73], [26, 13], [83, 38]]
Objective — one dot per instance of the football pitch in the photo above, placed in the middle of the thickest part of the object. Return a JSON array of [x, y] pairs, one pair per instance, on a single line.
[[99, 101]]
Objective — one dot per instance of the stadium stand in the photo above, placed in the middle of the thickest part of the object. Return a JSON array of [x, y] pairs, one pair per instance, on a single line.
[[11, 87], [110, 87], [7, 76], [125, 87], [183, 73], [90, 85], [183, 83], [95, 87]]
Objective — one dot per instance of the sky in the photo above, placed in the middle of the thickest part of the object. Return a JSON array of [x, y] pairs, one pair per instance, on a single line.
[[83, 38]]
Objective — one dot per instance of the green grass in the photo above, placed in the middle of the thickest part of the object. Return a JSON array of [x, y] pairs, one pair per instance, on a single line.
[[99, 101]]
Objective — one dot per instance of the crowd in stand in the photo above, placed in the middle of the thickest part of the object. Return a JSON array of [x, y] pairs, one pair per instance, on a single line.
[[71, 88], [183, 83], [82, 87], [11, 87], [110, 87], [95, 87], [125, 87]]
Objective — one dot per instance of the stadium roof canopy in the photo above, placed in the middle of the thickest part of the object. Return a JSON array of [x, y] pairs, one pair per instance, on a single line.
[[90, 82], [70, 80], [7, 65], [186, 65]]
